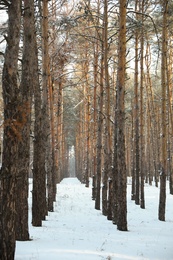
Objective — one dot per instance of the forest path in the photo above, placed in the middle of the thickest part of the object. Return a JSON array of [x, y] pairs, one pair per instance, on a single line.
[[76, 231], [81, 224]]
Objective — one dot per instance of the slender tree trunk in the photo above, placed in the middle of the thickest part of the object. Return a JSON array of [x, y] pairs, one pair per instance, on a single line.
[[12, 134], [136, 114], [50, 144], [95, 123], [110, 200], [121, 162], [51, 179], [96, 77], [106, 141], [45, 103], [39, 150], [153, 124], [59, 133], [85, 66], [162, 199], [99, 136], [142, 199], [87, 124], [170, 117], [115, 172], [133, 191]]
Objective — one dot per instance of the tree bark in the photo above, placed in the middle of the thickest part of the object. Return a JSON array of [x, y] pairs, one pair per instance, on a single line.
[[22, 232], [115, 171], [121, 162], [39, 150], [162, 198], [45, 105], [136, 113], [142, 158], [107, 135], [12, 134], [51, 178], [99, 136]]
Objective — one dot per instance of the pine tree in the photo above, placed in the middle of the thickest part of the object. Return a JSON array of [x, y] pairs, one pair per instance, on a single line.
[[12, 133], [121, 162]]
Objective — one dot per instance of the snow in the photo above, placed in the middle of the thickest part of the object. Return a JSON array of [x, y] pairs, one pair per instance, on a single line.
[[3, 16], [77, 231], [3, 19]]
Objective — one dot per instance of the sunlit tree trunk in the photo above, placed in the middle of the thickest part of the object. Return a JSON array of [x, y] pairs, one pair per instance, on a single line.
[[45, 103], [99, 133], [87, 118], [162, 199], [22, 232], [53, 102], [95, 121], [170, 115], [153, 126], [59, 122]]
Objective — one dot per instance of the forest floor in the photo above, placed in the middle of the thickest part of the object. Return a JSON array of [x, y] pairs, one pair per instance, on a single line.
[[77, 231]]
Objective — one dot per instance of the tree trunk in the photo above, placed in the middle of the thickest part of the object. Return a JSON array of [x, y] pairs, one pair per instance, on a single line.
[[121, 162], [51, 178], [162, 198], [153, 124], [170, 116], [115, 171], [59, 134], [136, 114], [87, 127], [142, 199], [99, 137], [95, 123], [39, 150], [12, 134], [45, 105], [107, 135], [133, 190], [22, 232]]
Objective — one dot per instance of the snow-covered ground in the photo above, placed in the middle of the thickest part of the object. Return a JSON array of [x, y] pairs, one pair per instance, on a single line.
[[3, 19], [77, 231]]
